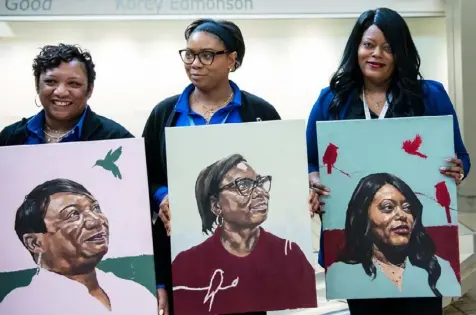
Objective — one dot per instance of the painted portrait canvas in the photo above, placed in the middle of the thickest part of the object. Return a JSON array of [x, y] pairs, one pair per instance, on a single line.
[[390, 222], [241, 232], [75, 230]]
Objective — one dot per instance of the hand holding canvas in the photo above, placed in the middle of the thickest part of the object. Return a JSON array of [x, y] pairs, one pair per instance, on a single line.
[[456, 172], [316, 191], [162, 301], [164, 214]]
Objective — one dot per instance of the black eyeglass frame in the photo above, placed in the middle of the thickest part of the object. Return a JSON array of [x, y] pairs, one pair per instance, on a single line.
[[214, 54], [256, 183]]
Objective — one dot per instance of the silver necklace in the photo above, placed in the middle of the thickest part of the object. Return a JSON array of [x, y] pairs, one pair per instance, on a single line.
[[55, 136]]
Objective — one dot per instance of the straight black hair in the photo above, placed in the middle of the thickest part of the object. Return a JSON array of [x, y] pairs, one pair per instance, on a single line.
[[405, 86]]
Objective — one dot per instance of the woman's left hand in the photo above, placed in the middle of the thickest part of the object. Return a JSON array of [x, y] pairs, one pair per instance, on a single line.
[[456, 171]]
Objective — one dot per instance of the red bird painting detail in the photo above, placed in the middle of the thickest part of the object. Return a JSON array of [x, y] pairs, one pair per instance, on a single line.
[[412, 146], [330, 157], [442, 196]]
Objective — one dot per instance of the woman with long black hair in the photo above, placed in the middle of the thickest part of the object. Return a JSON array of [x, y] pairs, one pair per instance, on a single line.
[[387, 250], [379, 77]]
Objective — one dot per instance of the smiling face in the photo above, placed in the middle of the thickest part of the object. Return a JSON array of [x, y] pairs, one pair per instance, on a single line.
[[375, 56], [63, 91], [390, 217], [77, 234], [204, 76], [243, 201]]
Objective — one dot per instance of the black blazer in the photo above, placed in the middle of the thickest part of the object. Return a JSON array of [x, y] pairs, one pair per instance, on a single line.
[[95, 127]]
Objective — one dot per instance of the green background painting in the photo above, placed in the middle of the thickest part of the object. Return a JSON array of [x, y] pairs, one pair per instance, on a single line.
[[136, 268]]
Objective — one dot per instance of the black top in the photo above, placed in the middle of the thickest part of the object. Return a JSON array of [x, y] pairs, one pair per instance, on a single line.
[[356, 110], [252, 109], [95, 127]]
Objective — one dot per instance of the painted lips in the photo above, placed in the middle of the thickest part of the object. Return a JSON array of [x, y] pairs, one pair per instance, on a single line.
[[401, 229], [261, 207], [97, 238]]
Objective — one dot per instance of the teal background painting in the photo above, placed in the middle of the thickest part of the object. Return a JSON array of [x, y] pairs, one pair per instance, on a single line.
[[373, 146], [129, 268], [376, 146]]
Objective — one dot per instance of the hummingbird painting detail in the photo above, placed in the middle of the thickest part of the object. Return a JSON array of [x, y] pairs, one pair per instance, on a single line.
[[109, 162]]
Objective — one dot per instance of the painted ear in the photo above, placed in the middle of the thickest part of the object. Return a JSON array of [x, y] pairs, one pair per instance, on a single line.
[[33, 242], [215, 206]]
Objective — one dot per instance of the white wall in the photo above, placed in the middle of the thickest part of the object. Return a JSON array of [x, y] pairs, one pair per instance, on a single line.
[[287, 62]]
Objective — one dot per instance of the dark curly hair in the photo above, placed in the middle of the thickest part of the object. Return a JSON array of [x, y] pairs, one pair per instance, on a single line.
[[405, 86], [236, 43], [51, 56]]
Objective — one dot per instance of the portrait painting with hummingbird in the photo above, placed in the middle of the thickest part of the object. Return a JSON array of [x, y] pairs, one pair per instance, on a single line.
[[87, 215], [390, 223]]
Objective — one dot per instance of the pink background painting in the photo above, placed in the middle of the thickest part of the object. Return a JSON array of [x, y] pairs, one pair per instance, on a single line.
[[125, 202]]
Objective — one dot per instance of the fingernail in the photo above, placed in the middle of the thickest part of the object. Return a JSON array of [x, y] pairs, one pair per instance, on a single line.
[[161, 312], [442, 169]]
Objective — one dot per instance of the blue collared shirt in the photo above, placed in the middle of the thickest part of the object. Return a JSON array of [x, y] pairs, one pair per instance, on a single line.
[[228, 114], [35, 129], [187, 117]]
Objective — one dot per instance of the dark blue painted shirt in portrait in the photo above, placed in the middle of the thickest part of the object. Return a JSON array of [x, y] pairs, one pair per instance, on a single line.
[[36, 134]]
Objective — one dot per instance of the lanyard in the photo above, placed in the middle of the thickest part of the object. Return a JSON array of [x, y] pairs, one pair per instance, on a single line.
[[367, 111], [192, 123]]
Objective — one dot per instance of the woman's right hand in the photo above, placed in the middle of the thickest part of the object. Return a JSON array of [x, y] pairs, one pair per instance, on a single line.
[[316, 191], [164, 214]]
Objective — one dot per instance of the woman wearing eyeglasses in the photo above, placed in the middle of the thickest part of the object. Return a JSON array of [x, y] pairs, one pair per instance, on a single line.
[[214, 49], [241, 267]]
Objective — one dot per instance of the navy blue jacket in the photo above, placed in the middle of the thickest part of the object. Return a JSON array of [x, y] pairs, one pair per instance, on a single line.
[[94, 127]]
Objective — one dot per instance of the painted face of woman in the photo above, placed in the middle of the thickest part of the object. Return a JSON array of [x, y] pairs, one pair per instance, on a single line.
[[78, 233], [390, 217], [245, 203]]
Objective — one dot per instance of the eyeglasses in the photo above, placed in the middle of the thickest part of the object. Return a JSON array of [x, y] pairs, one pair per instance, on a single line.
[[206, 57], [245, 186]]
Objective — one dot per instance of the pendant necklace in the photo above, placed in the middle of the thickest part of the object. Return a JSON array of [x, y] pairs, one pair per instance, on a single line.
[[55, 136], [208, 112]]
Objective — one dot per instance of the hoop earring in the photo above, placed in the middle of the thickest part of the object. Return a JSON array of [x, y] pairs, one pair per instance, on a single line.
[[36, 102], [38, 263], [220, 221]]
